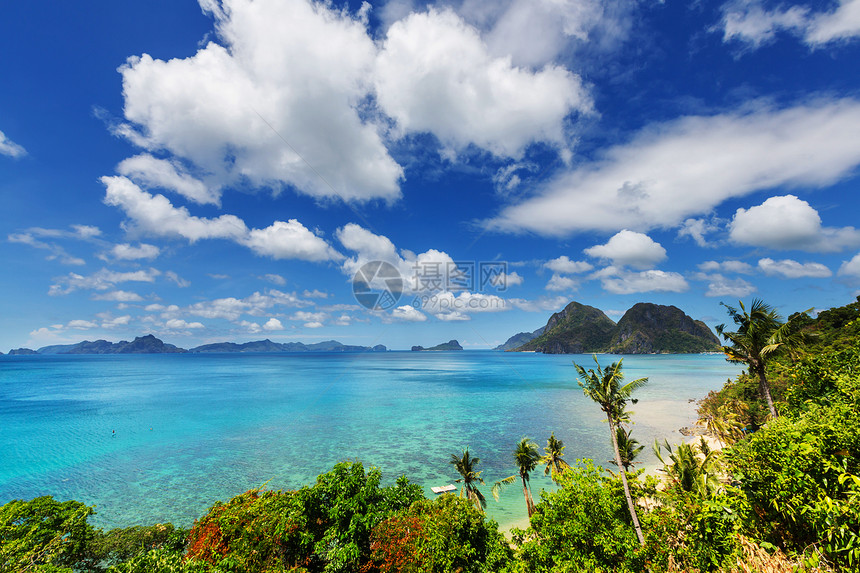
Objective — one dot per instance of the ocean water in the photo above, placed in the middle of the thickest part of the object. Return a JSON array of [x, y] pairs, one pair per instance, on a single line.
[[156, 438]]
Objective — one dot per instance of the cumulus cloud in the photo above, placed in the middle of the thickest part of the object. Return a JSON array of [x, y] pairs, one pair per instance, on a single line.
[[564, 265], [718, 285], [541, 304], [277, 104], [435, 74], [156, 215], [289, 240], [82, 324], [10, 148], [408, 313], [793, 269], [698, 229], [127, 252], [151, 172], [561, 283], [787, 222], [620, 281], [119, 296], [851, 268], [629, 248], [273, 324], [257, 304], [179, 324], [534, 32], [753, 24], [674, 171]]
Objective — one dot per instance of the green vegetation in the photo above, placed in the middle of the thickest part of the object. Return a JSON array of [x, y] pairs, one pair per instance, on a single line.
[[527, 457], [782, 495], [605, 387]]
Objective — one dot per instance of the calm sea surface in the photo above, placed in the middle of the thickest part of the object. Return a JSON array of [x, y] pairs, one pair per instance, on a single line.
[[155, 438]]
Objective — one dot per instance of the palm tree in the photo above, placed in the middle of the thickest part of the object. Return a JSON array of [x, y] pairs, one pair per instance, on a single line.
[[553, 457], [688, 470], [527, 458], [628, 447], [467, 467], [605, 387], [761, 335]]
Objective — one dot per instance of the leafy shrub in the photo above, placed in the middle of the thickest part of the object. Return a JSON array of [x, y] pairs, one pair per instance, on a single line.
[[325, 527], [445, 534], [584, 526], [44, 535]]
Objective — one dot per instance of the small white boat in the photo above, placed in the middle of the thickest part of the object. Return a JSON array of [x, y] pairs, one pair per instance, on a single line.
[[444, 488]]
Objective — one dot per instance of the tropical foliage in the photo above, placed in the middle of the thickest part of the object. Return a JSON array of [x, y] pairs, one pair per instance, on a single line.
[[783, 495], [605, 386], [526, 457]]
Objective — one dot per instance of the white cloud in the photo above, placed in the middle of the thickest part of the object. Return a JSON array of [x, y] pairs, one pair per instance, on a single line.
[[505, 280], [426, 272], [408, 313], [290, 68], [541, 304], [697, 229], [755, 25], [82, 324], [314, 324], [435, 74], [304, 316], [257, 304], [100, 280], [534, 32], [619, 281], [273, 324], [178, 280], [793, 269], [119, 296], [128, 252], [670, 172], [251, 327], [277, 279], [155, 215], [628, 248], [789, 223], [314, 294], [150, 172], [109, 322], [463, 303], [290, 240], [718, 285], [179, 324], [57, 252], [561, 283], [10, 148], [851, 268], [564, 265]]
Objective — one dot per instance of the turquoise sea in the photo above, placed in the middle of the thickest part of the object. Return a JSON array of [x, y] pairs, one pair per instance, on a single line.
[[155, 438]]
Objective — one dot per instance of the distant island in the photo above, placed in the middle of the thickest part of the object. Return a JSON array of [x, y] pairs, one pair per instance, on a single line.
[[149, 344], [646, 328], [519, 339], [450, 345]]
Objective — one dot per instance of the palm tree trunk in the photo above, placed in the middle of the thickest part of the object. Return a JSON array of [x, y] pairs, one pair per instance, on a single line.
[[630, 505], [530, 504], [764, 388]]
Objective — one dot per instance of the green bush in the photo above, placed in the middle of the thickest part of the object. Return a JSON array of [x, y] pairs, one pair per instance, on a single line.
[[445, 534], [44, 535], [584, 526]]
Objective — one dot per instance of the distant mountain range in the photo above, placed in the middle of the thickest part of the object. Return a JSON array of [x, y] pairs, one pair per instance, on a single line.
[[519, 339], [149, 344], [644, 329], [450, 345]]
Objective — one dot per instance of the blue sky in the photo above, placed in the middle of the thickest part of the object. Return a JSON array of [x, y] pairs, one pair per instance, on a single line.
[[221, 170]]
